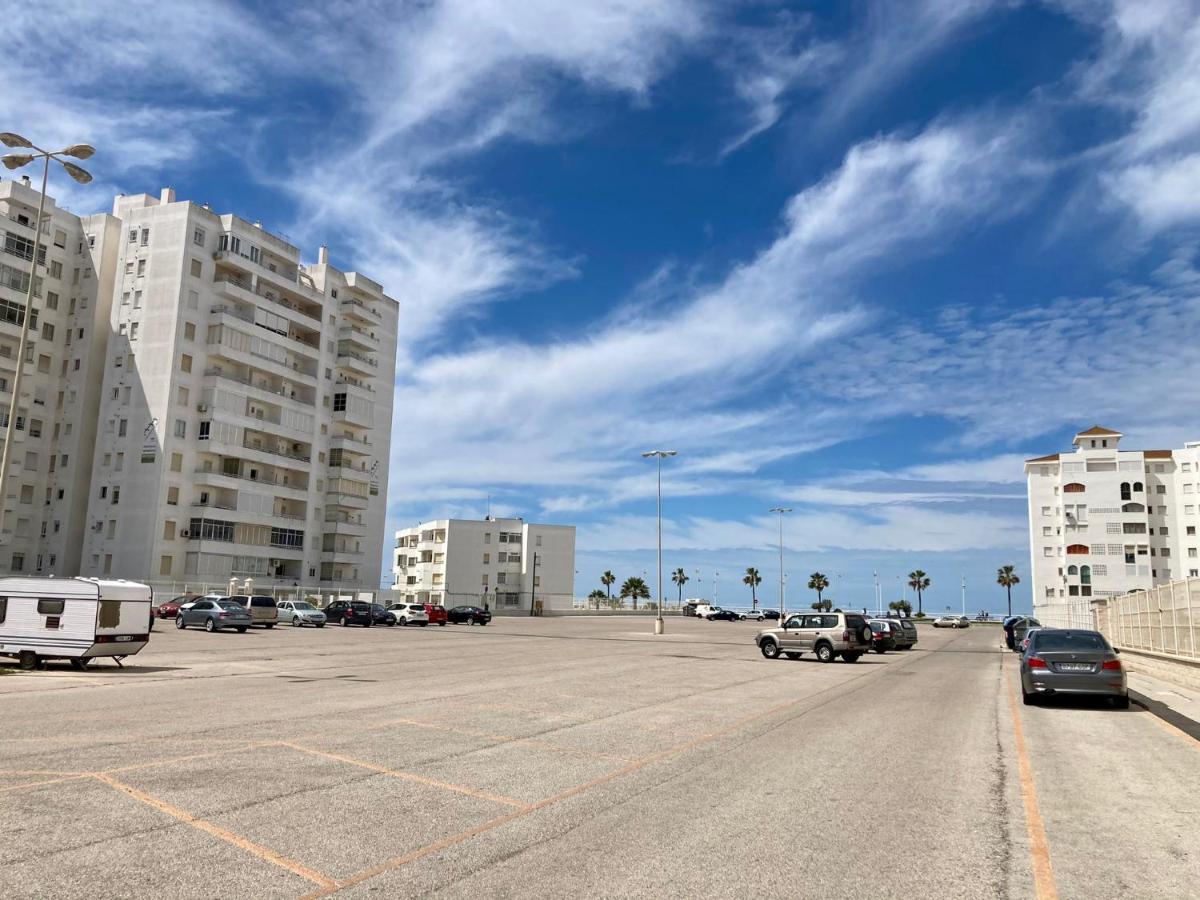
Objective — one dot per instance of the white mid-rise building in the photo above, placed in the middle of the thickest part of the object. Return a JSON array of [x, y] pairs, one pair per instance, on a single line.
[[1104, 521], [198, 404], [504, 563]]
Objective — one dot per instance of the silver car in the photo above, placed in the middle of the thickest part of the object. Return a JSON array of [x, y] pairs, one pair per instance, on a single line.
[[1070, 661], [213, 615], [299, 613]]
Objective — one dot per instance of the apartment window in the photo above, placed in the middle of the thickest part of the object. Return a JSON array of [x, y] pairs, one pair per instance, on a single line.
[[145, 237], [112, 529], [116, 496], [205, 430], [487, 537], [198, 237], [197, 268], [185, 363], [1164, 531], [76, 366], [183, 396], [18, 562], [1166, 551], [1045, 510], [1191, 552], [129, 267], [120, 462], [51, 300], [500, 578], [180, 428], [164, 565], [103, 492], [137, 299], [485, 581], [133, 235], [1160, 489], [1191, 530], [189, 331], [1048, 551], [43, 363], [133, 330], [141, 267], [176, 462], [172, 496], [122, 427], [538, 541], [193, 300], [487, 559], [47, 331], [339, 402], [107, 563]]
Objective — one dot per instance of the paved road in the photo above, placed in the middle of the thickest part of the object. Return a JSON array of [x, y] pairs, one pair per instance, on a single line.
[[579, 757]]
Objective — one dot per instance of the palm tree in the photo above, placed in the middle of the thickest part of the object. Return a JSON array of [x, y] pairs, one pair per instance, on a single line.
[[633, 588], [680, 578], [1006, 577], [753, 579], [596, 596], [919, 582], [608, 579], [818, 582]]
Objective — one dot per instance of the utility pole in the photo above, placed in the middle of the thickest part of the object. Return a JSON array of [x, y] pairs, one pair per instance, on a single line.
[[964, 596], [781, 510], [533, 584]]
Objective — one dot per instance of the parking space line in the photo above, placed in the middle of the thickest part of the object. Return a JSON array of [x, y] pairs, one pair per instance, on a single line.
[[263, 853], [504, 738], [1039, 851], [407, 776], [636, 765], [32, 784]]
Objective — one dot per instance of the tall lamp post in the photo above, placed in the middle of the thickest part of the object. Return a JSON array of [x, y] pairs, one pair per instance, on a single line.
[[781, 510], [659, 456], [16, 161]]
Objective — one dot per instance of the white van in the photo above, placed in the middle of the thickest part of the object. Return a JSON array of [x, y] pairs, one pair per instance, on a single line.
[[72, 618]]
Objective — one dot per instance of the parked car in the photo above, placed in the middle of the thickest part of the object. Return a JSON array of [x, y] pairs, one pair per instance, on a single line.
[[410, 613], [964, 622], [906, 637], [436, 613], [262, 608], [213, 615], [380, 615], [722, 615], [349, 612], [770, 614], [755, 614], [703, 609], [883, 635], [1071, 661], [827, 635], [300, 612], [468, 615], [946, 622], [689, 608], [1024, 644], [1017, 630], [168, 609]]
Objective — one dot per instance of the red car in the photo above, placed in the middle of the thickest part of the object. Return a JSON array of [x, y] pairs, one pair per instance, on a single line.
[[437, 614], [170, 609]]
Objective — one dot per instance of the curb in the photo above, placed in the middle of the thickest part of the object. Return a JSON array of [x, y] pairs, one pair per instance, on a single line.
[[1188, 726]]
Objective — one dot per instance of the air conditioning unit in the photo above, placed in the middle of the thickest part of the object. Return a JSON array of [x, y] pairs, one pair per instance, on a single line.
[[202, 407], [184, 534]]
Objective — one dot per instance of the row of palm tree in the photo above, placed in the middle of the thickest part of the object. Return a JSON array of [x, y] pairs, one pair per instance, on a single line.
[[636, 588]]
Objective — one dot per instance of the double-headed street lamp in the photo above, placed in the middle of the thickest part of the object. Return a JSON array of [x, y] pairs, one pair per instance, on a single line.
[[781, 510], [659, 455], [16, 161]]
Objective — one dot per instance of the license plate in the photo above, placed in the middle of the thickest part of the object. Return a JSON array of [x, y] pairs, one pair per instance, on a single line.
[[1075, 667], [124, 637]]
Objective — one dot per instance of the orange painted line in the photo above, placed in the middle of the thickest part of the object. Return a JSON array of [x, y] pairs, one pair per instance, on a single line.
[[502, 738], [1039, 851], [263, 853], [407, 776], [492, 824], [30, 784]]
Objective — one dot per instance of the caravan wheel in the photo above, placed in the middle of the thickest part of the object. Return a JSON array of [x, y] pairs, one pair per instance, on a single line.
[[28, 660]]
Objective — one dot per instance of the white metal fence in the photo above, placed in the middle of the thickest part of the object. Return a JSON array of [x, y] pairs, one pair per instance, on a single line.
[[1071, 614], [1165, 619]]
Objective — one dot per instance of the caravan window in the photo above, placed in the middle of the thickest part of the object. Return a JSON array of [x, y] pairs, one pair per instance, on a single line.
[[3, 608], [51, 607]]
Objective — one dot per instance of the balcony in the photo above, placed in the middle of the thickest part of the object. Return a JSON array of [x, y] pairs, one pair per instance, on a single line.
[[304, 343], [259, 384], [356, 362], [218, 479], [353, 335], [355, 308], [345, 527], [276, 450], [348, 443], [241, 289]]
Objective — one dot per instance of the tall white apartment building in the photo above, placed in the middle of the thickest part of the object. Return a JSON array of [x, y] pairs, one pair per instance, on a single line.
[[245, 408], [1105, 521], [505, 563], [46, 494]]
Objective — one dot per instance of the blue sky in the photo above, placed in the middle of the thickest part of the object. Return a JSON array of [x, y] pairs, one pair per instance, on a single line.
[[858, 258]]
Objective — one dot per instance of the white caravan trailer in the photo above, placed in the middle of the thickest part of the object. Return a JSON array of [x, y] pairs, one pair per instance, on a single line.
[[72, 618]]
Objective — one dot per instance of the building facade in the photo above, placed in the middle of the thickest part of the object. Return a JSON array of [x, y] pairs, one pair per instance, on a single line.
[[215, 408], [1104, 521], [504, 563], [46, 494]]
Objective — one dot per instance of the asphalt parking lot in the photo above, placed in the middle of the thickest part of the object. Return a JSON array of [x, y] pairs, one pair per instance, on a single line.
[[554, 757]]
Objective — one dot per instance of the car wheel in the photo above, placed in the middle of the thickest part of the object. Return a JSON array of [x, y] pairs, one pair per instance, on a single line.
[[880, 650], [345, 622], [422, 624], [792, 654], [471, 620], [851, 657], [404, 623], [769, 649], [320, 624], [1028, 699], [241, 629], [1121, 702], [179, 623], [295, 621], [28, 660], [270, 624], [152, 618], [825, 653], [210, 625], [443, 624], [864, 634]]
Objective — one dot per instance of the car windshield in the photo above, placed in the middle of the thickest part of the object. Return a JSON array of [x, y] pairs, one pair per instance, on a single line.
[[418, 607], [1068, 640]]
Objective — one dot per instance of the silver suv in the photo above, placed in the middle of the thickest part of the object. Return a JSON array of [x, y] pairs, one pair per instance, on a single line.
[[262, 608], [828, 635]]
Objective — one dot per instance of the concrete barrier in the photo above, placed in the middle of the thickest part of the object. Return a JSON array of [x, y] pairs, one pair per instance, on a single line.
[[1183, 672]]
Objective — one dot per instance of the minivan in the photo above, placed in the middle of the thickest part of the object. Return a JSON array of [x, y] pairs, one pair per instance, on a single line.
[[261, 607]]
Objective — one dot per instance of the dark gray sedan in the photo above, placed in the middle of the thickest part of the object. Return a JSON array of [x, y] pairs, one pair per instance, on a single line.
[[213, 615], [1071, 661]]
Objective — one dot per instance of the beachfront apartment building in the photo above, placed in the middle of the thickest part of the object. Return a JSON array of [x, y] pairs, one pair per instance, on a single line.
[[1104, 521], [505, 563]]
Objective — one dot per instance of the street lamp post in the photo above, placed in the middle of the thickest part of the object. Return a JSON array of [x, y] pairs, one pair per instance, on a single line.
[[781, 510], [659, 456], [16, 161]]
